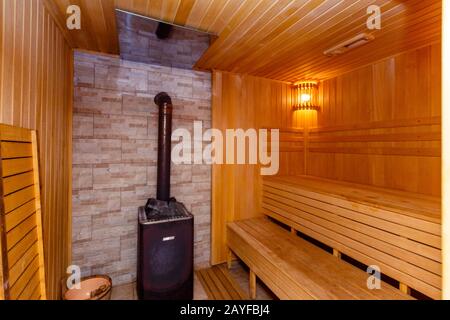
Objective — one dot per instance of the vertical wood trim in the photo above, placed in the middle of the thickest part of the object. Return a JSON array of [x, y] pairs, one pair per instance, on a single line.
[[4, 271], [37, 192], [69, 155], [446, 150]]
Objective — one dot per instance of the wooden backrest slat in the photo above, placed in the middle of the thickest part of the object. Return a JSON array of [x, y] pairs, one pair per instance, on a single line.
[[22, 269], [404, 244], [419, 236], [377, 244]]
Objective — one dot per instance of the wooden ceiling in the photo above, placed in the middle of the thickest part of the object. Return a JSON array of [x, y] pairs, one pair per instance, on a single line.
[[277, 39]]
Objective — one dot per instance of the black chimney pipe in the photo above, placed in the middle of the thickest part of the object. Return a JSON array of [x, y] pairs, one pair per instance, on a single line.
[[164, 102]]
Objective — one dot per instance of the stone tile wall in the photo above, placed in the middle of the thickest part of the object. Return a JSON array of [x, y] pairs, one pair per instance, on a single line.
[[115, 153]]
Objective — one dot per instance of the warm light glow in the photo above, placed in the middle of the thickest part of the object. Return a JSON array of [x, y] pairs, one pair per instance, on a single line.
[[305, 96]]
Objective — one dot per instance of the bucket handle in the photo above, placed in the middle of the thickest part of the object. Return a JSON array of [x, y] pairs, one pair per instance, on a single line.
[[100, 291]]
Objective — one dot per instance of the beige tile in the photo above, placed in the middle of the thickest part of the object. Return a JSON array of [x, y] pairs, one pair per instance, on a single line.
[[97, 101], [83, 125], [120, 127], [82, 177], [199, 291], [120, 78], [124, 292], [94, 151]]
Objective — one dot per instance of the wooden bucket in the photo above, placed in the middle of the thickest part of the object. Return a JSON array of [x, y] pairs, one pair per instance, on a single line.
[[97, 287]]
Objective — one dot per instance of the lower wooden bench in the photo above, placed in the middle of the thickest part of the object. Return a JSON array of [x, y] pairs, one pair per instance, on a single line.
[[296, 269]]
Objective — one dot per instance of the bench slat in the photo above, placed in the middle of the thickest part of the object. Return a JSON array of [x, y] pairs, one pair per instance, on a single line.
[[334, 224], [408, 210], [385, 231], [397, 231], [415, 283], [372, 254], [296, 269]]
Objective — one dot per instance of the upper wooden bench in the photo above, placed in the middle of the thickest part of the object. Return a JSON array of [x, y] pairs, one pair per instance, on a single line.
[[399, 232]]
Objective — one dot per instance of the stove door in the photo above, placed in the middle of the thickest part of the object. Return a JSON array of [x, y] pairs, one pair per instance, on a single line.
[[165, 266]]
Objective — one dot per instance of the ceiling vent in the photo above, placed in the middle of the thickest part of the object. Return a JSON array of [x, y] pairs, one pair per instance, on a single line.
[[350, 44]]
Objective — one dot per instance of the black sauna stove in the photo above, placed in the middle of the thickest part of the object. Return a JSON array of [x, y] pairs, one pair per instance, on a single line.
[[166, 229]]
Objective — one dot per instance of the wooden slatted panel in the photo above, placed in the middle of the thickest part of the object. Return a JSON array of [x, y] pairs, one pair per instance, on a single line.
[[220, 285], [295, 269], [18, 182], [248, 102], [16, 166], [397, 231], [22, 242], [16, 150], [381, 124], [36, 93]]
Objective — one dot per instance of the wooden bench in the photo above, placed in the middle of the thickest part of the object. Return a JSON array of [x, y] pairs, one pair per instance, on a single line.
[[398, 232]]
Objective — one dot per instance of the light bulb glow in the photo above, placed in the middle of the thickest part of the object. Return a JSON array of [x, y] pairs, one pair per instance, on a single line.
[[305, 97]]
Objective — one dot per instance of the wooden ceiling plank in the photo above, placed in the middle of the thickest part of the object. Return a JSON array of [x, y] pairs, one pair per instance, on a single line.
[[140, 6], [225, 16], [345, 24], [245, 11], [169, 10], [109, 14], [393, 26], [309, 13], [183, 12], [238, 40], [312, 33], [389, 16], [294, 40], [255, 40], [99, 41], [212, 14], [426, 38], [198, 12]]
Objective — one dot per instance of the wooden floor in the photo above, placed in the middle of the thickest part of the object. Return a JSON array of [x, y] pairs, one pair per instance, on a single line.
[[220, 285]]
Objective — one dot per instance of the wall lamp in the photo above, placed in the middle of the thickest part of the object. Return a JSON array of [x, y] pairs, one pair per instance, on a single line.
[[305, 96]]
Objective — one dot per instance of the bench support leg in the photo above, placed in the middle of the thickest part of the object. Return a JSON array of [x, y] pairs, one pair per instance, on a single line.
[[293, 231], [337, 254], [252, 285], [229, 259], [405, 289]]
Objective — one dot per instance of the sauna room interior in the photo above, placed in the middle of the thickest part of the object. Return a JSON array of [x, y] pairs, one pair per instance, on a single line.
[[224, 150]]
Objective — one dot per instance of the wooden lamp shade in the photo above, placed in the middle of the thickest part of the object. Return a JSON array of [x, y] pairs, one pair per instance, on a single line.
[[306, 96]]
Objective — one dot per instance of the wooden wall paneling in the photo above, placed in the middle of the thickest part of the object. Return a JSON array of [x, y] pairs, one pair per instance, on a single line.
[[36, 93], [380, 124], [241, 101]]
